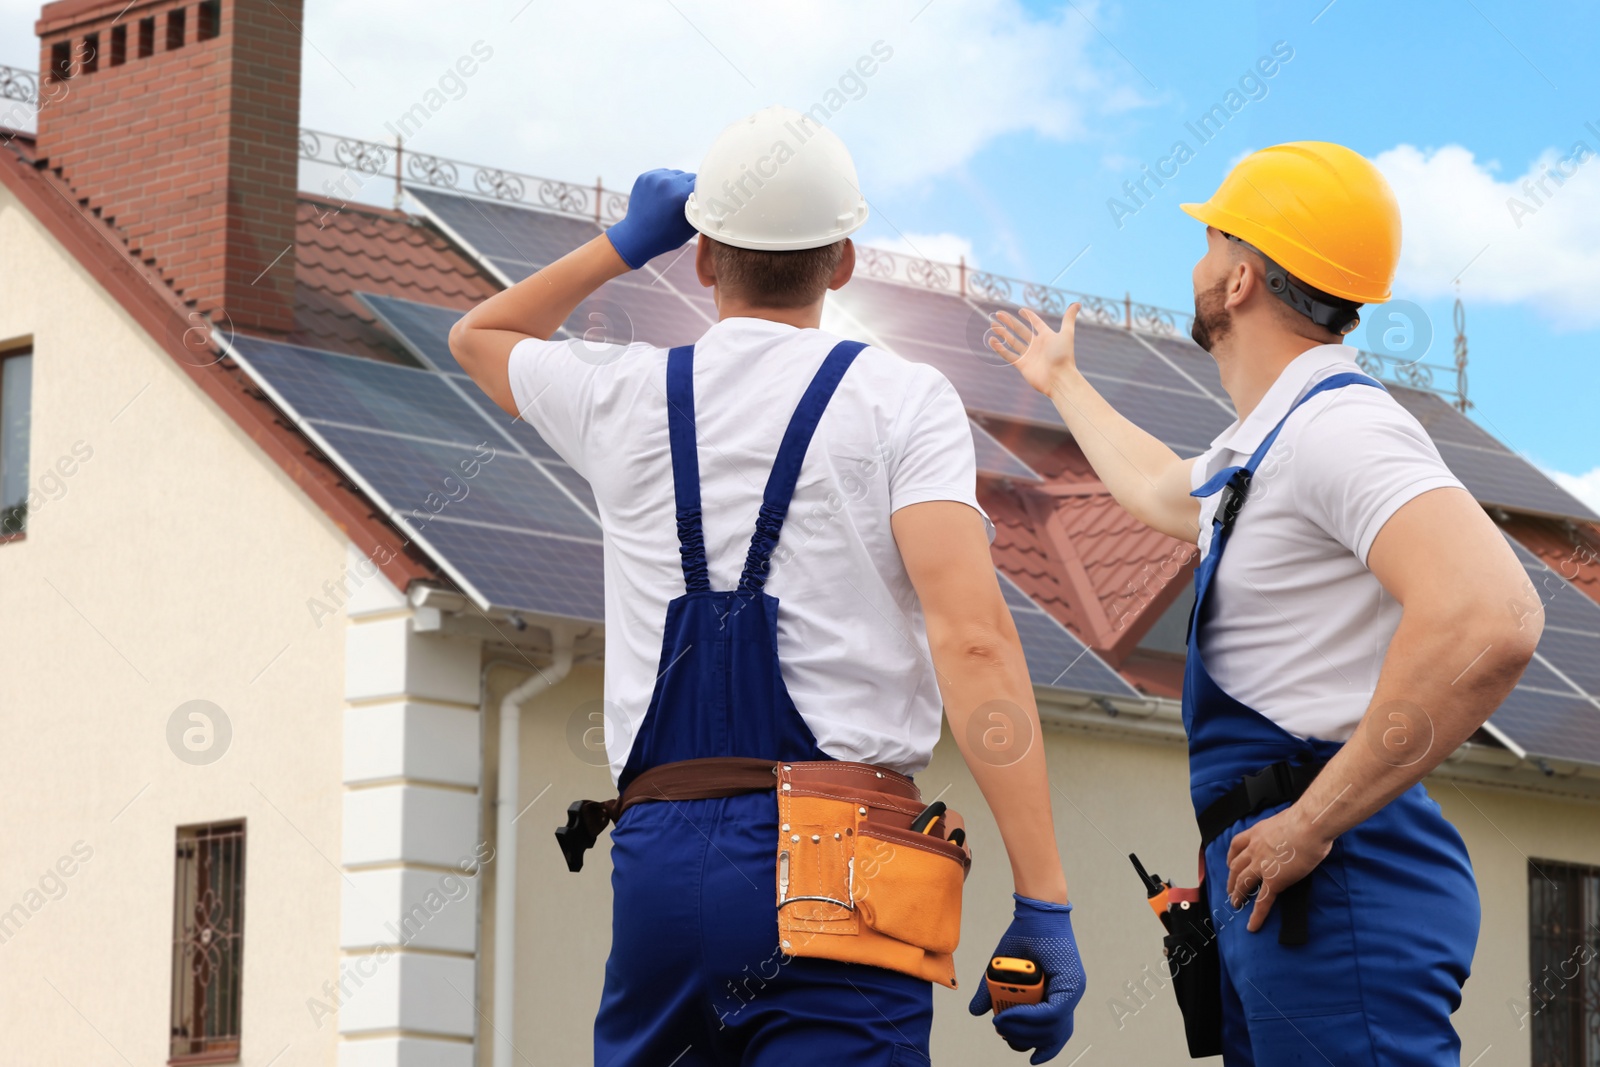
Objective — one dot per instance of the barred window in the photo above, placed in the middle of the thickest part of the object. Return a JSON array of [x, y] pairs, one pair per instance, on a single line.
[[207, 943], [1564, 963]]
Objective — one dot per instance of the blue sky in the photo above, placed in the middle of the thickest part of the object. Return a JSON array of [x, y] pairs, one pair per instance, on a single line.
[[1002, 127], [1366, 74]]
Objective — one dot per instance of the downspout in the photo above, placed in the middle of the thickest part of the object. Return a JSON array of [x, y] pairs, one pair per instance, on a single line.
[[505, 845]]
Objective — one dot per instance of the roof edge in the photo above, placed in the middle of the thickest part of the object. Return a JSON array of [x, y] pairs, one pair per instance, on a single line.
[[166, 320]]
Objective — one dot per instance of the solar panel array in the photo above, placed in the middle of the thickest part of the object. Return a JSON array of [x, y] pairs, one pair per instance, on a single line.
[[1492, 473], [662, 304], [1141, 381], [493, 505], [520, 531], [1555, 709]]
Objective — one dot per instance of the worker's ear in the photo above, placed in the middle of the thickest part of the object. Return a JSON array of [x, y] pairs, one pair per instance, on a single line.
[[1244, 278], [846, 267], [705, 268]]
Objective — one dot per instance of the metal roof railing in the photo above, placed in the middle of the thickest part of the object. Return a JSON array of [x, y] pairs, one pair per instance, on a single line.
[[604, 206]]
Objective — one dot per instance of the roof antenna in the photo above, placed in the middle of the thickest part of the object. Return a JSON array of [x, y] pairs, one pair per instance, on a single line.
[[1460, 315], [399, 150]]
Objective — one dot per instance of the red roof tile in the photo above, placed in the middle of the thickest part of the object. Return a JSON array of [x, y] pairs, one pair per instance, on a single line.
[[344, 249], [1067, 544]]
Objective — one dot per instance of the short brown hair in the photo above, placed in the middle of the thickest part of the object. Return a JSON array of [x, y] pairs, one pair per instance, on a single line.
[[776, 279]]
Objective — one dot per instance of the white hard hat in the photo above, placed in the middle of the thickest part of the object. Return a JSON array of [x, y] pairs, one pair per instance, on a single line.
[[777, 180]]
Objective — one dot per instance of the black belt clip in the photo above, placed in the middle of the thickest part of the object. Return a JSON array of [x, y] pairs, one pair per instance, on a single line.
[[1232, 499], [1268, 786], [585, 820]]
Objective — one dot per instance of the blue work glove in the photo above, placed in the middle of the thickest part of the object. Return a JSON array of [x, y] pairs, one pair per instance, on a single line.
[[655, 222], [1042, 932]]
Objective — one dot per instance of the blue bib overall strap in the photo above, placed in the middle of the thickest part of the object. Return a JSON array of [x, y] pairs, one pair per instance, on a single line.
[[1391, 913], [720, 691], [695, 977]]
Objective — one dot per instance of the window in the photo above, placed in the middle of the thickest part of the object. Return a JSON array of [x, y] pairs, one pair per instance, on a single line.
[[1564, 963], [119, 45], [147, 37], [175, 26], [61, 61], [91, 53], [207, 943], [210, 21], [16, 404]]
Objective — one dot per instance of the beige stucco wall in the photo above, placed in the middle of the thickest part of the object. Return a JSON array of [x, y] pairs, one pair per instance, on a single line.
[[1112, 796], [173, 565]]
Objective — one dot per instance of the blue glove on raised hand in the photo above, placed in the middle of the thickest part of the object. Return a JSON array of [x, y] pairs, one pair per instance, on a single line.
[[655, 222], [1042, 932]]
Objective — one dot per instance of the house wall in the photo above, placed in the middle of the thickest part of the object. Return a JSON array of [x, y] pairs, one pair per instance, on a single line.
[[173, 564], [1112, 796]]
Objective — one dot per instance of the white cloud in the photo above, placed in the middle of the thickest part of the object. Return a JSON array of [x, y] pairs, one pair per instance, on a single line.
[[612, 87], [1586, 487], [939, 247], [1508, 241]]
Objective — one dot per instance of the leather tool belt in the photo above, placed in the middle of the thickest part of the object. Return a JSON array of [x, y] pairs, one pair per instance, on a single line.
[[854, 882]]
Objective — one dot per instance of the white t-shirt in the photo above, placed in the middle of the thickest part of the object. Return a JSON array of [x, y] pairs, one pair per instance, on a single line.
[[1297, 627], [851, 639]]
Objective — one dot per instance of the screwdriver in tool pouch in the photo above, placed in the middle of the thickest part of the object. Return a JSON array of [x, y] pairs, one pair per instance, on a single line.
[[923, 823]]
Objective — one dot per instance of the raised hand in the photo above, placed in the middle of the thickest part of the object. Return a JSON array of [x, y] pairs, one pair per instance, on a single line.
[[655, 222], [1044, 356]]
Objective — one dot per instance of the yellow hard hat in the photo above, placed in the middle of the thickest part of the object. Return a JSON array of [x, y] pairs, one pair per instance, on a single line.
[[1323, 212]]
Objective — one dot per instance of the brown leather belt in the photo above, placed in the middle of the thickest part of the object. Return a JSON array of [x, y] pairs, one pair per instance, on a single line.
[[718, 776]]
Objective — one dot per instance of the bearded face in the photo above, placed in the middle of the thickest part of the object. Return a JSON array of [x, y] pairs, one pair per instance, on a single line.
[[1212, 319]]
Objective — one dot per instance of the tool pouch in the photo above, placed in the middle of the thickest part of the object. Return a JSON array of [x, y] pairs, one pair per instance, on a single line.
[[855, 883], [1195, 966]]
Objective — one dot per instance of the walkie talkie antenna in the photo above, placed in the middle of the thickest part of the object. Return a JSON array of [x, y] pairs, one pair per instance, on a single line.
[[1152, 884]]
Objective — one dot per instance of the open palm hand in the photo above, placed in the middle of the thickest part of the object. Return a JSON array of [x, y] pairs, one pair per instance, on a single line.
[[1044, 356]]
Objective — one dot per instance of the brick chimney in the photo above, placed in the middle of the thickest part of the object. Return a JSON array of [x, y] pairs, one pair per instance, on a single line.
[[179, 120]]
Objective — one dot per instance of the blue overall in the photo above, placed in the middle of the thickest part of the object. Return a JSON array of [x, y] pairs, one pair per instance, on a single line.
[[1394, 911], [695, 977]]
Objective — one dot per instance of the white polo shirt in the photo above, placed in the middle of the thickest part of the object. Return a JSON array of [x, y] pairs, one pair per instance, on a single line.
[[1297, 626], [851, 640]]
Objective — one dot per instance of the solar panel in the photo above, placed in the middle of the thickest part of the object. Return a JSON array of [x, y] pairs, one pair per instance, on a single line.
[[420, 480], [1560, 725], [634, 308], [1056, 658], [1505, 478], [995, 458], [1106, 352], [946, 331], [362, 392], [1195, 363], [524, 569], [1442, 421], [422, 328], [516, 240], [521, 432], [512, 525], [1554, 710]]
